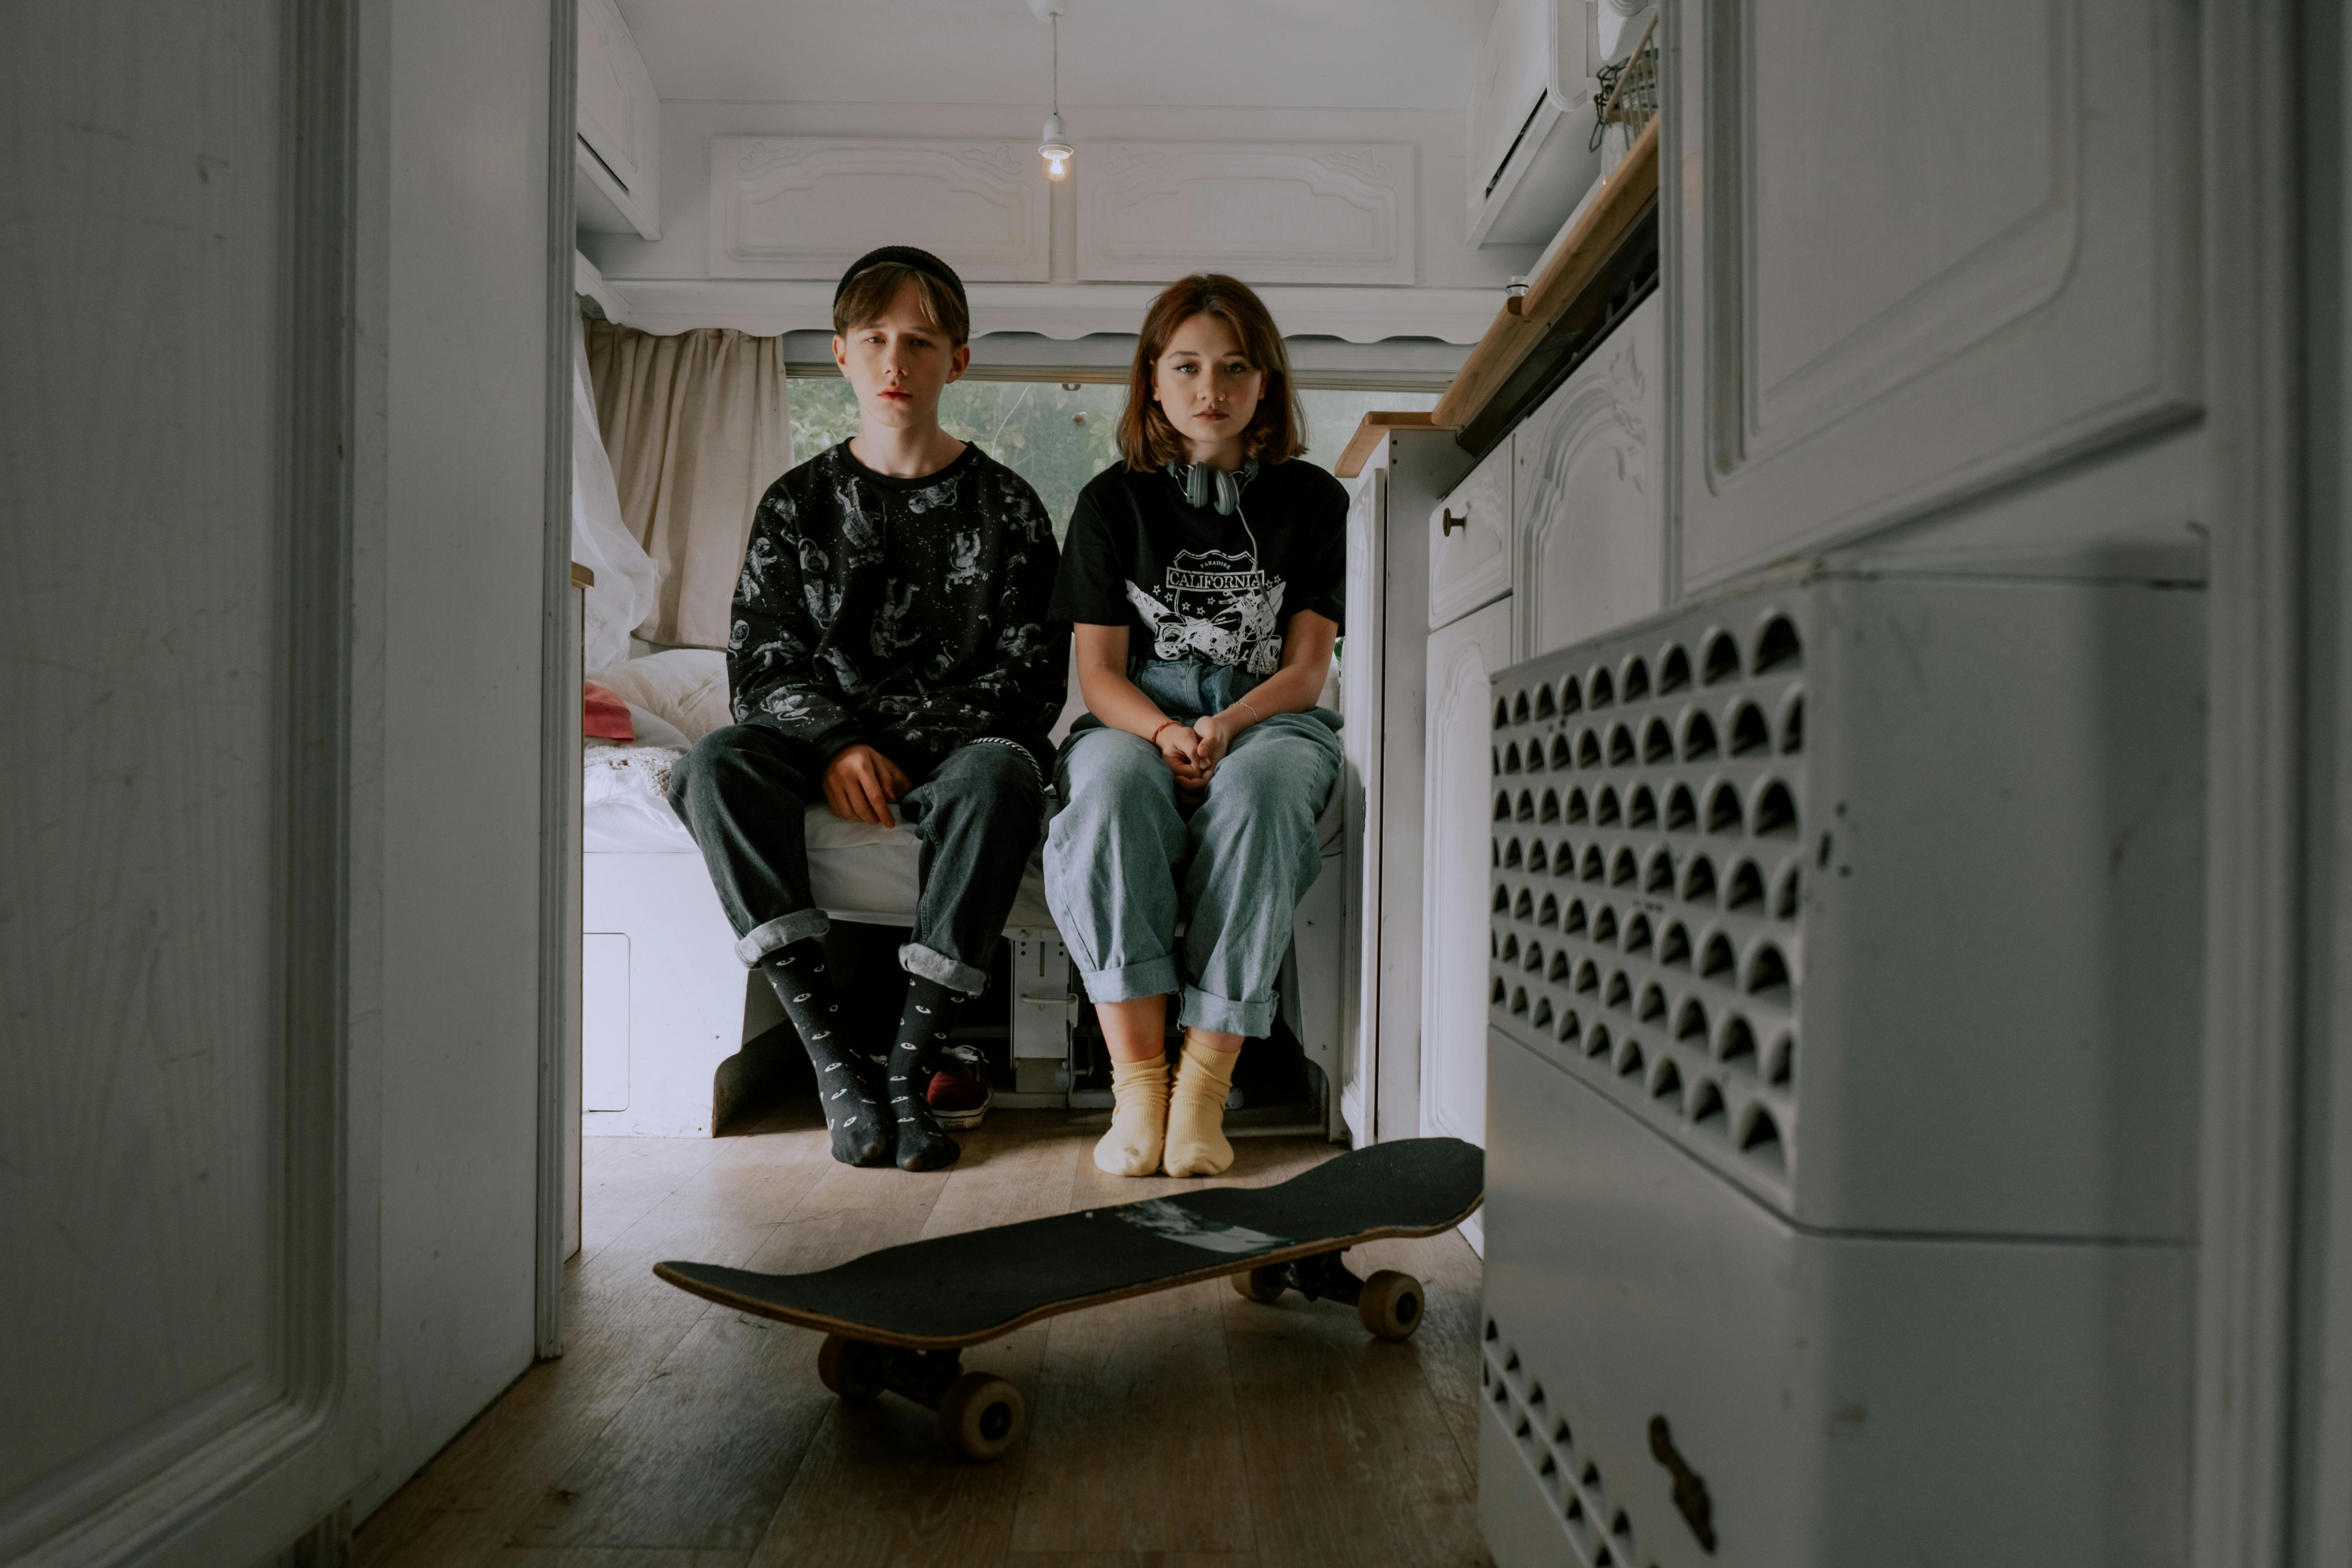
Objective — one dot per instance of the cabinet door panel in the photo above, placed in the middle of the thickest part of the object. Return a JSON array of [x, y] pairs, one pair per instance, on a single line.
[[1462, 658], [1590, 539], [1920, 250], [1470, 541]]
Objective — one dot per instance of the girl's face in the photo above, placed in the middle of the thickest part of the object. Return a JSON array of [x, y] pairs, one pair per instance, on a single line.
[[1208, 389]]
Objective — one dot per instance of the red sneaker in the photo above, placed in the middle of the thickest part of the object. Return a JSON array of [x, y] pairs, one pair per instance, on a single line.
[[959, 1095]]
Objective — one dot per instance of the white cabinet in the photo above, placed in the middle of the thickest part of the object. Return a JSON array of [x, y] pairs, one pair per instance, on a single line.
[[1590, 549], [1470, 541], [619, 118], [1384, 649], [1919, 251], [1462, 659], [1529, 134]]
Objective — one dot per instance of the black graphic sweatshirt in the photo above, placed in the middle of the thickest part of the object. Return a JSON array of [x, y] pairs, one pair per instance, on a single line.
[[906, 613]]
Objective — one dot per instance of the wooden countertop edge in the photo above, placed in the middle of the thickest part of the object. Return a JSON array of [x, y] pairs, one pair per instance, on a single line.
[[1516, 332], [581, 578], [1368, 431]]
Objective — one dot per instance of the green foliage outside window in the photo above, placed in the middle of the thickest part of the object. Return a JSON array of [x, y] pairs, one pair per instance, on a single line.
[[1055, 435]]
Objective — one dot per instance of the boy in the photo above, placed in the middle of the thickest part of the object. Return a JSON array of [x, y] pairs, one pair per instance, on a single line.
[[890, 648]]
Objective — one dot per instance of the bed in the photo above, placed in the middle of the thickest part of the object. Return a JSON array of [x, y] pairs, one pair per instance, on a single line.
[[667, 1009]]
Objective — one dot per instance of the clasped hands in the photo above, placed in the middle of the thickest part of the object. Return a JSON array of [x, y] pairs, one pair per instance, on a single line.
[[1194, 751]]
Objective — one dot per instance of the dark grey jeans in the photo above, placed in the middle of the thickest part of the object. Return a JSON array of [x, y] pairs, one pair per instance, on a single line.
[[981, 812]]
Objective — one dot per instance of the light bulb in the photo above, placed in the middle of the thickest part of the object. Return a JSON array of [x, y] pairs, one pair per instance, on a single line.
[[1053, 145]]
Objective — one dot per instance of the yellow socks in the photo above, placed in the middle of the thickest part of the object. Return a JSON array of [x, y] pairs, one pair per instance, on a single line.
[[1196, 1112], [1139, 1120]]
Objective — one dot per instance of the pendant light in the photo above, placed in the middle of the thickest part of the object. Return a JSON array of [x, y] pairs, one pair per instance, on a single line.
[[1053, 145]]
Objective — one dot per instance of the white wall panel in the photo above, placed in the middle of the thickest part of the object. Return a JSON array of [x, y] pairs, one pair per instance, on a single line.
[[1897, 286], [807, 206], [1296, 213]]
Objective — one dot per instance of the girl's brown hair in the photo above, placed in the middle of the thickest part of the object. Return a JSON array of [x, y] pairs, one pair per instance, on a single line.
[[1277, 432]]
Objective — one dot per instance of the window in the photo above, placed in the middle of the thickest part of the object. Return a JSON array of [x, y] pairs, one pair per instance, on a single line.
[[1060, 435]]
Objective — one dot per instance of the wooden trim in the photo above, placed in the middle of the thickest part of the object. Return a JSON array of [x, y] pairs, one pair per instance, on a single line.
[[581, 578], [1524, 322], [1369, 432]]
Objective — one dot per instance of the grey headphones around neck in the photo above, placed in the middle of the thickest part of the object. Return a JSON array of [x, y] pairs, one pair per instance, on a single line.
[[1221, 491], [1213, 488]]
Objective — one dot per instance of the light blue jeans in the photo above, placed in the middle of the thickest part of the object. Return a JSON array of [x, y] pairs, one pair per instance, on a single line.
[[1124, 860]]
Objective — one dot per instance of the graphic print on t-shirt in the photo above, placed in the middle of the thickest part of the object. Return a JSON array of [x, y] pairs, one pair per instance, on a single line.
[[1219, 607]]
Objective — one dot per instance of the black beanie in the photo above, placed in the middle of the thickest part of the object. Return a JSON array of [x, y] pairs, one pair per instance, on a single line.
[[905, 256]]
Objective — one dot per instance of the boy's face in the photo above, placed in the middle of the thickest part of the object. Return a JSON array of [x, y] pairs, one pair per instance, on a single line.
[[899, 364]]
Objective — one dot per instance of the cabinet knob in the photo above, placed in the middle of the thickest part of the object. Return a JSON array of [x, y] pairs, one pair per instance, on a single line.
[[1447, 522]]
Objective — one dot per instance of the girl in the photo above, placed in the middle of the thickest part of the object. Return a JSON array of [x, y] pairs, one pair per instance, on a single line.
[[1202, 575]]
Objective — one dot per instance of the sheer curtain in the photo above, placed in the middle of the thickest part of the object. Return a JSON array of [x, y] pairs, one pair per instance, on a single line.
[[623, 596], [696, 429]]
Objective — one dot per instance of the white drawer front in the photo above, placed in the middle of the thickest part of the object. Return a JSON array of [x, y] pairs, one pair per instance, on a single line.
[[1470, 541]]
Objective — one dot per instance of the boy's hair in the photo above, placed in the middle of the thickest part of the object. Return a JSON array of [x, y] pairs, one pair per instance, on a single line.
[[1276, 431], [867, 294]]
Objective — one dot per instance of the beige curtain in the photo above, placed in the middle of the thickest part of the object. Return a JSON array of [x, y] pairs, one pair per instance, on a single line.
[[698, 430]]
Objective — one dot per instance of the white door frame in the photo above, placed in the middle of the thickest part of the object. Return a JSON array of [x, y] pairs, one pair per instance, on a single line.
[[559, 665], [2254, 926]]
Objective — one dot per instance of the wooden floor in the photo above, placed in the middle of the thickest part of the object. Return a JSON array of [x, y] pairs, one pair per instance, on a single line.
[[1188, 1428]]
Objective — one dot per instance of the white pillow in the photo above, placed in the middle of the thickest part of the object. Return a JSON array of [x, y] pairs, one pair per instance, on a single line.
[[653, 730], [686, 686]]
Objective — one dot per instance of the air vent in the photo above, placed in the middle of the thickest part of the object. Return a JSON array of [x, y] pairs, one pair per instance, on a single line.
[[1596, 1526], [1671, 770]]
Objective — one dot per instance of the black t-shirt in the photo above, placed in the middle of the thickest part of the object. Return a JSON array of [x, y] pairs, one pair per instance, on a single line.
[[1191, 584]]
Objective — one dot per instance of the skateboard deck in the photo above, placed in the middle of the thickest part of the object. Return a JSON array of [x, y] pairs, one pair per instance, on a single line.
[[956, 1291]]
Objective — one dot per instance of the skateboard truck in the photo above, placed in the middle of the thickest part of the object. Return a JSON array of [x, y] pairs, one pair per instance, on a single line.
[[1388, 1304], [980, 1414]]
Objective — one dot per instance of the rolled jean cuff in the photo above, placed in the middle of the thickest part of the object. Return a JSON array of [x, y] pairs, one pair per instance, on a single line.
[[1152, 977], [932, 964], [778, 933], [1224, 1016]]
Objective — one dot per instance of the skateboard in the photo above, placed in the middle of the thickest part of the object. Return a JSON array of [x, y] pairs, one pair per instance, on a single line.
[[899, 1320]]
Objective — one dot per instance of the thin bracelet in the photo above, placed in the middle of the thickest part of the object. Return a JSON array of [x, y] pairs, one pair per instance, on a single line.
[[1154, 741], [1256, 716]]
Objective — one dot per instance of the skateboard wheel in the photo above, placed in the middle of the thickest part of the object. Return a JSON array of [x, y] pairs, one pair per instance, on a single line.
[[982, 1416], [1390, 1306], [1261, 1283], [851, 1368]]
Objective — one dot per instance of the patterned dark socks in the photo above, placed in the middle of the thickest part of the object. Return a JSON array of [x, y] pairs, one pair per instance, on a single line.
[[923, 1029], [861, 1129]]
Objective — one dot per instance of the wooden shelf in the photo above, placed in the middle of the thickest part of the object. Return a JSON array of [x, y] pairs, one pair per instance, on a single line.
[[1372, 428]]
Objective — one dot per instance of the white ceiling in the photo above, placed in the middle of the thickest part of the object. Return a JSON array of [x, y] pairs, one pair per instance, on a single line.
[[1303, 54]]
